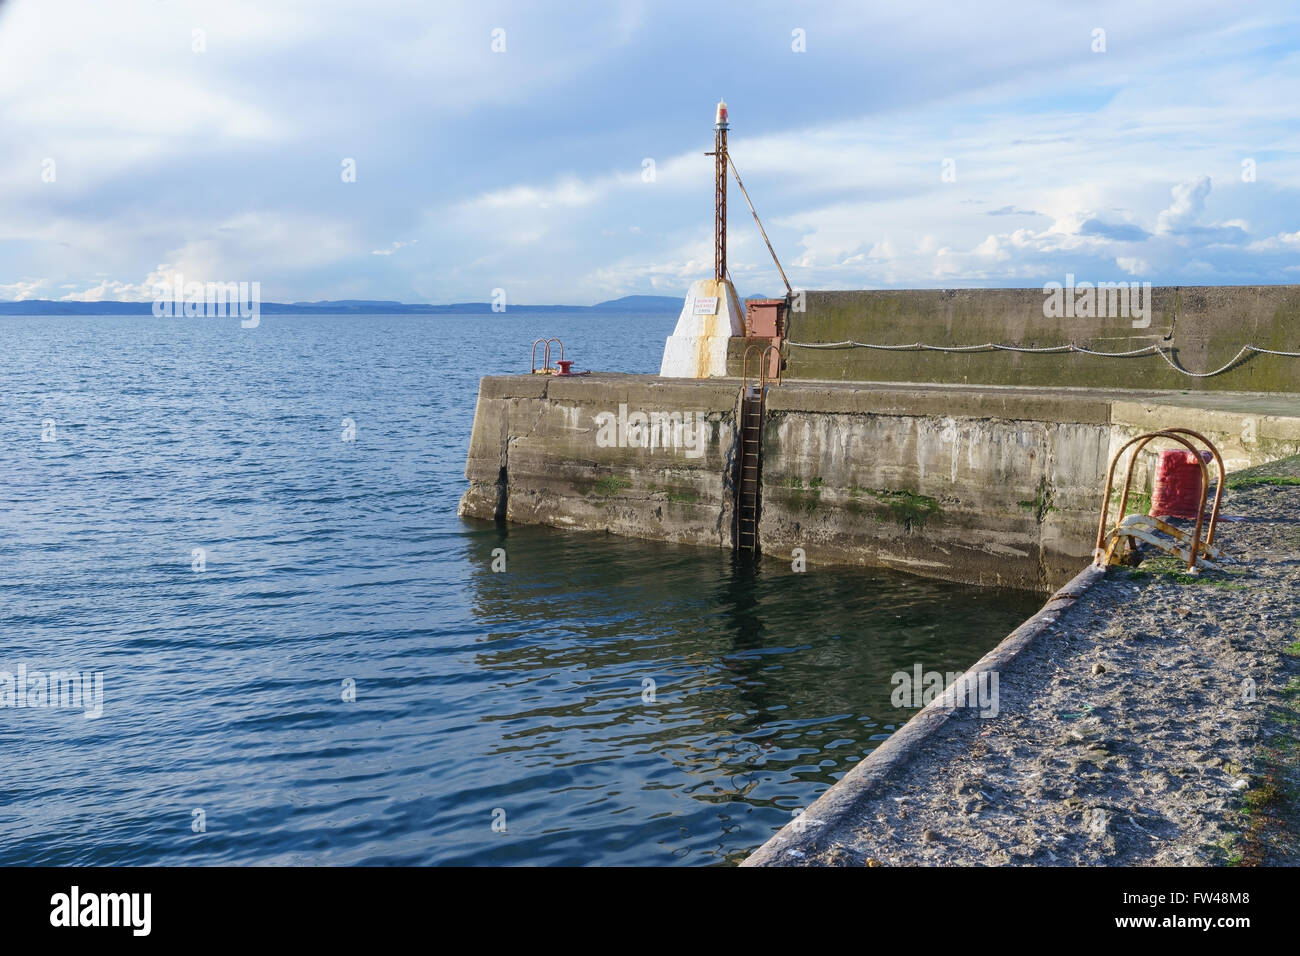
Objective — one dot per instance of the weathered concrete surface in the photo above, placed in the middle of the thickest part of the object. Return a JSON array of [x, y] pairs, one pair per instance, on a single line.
[[535, 458], [1247, 430], [1139, 714], [699, 343], [990, 485], [991, 488], [1204, 325]]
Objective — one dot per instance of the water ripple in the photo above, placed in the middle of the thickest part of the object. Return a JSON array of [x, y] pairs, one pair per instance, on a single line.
[[335, 567]]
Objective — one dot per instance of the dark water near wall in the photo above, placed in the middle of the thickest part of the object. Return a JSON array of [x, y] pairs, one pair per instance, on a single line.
[[329, 561]]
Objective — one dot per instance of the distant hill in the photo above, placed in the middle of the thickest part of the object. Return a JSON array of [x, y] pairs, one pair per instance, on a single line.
[[628, 303]]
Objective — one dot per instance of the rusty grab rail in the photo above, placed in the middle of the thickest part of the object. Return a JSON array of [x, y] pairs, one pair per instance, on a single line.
[[780, 361], [1174, 434], [546, 354], [763, 365], [744, 369], [1205, 483]]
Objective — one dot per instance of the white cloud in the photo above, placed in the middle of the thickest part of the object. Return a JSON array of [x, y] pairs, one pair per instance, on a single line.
[[225, 164], [1188, 204], [397, 244], [1132, 266], [1282, 240], [109, 291], [23, 289]]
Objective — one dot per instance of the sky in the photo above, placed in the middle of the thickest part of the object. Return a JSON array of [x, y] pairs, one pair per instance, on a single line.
[[555, 150]]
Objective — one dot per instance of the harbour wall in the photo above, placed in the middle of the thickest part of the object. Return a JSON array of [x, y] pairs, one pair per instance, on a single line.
[[985, 485], [536, 456], [1200, 328]]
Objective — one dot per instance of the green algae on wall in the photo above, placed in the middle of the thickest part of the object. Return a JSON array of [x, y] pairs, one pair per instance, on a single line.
[[1202, 328]]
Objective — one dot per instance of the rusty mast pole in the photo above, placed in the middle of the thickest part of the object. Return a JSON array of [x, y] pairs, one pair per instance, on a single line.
[[720, 193]]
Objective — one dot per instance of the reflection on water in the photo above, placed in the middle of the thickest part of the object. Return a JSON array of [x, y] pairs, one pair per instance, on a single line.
[[330, 560], [768, 685]]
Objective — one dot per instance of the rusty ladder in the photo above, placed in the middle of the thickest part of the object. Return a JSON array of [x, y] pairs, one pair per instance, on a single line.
[[751, 432], [749, 469]]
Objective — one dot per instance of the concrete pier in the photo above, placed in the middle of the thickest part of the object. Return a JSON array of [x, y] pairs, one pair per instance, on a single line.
[[537, 455], [983, 466], [979, 466], [985, 485]]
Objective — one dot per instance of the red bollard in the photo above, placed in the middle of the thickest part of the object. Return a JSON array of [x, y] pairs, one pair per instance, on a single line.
[[1177, 488]]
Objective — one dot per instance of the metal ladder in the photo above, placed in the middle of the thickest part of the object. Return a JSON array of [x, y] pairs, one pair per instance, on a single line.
[[749, 468], [751, 433]]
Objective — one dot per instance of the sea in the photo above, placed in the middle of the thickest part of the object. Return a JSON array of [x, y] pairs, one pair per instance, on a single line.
[[243, 624]]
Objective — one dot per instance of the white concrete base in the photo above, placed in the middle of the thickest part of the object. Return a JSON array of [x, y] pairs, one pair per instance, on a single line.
[[698, 346]]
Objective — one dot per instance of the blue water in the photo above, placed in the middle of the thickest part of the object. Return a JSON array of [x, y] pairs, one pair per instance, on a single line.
[[480, 697]]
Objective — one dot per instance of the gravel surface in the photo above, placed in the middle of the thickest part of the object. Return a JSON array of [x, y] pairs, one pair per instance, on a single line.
[[1130, 732]]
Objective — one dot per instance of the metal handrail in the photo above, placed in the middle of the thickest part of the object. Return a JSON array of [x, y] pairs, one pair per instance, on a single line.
[[557, 342], [744, 370], [546, 353], [763, 365], [1205, 475], [780, 365], [1174, 434]]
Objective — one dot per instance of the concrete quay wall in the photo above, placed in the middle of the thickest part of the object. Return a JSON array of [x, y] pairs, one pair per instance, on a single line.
[[537, 455], [992, 486]]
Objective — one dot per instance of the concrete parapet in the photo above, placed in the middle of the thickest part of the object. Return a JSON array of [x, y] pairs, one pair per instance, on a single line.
[[1201, 328]]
